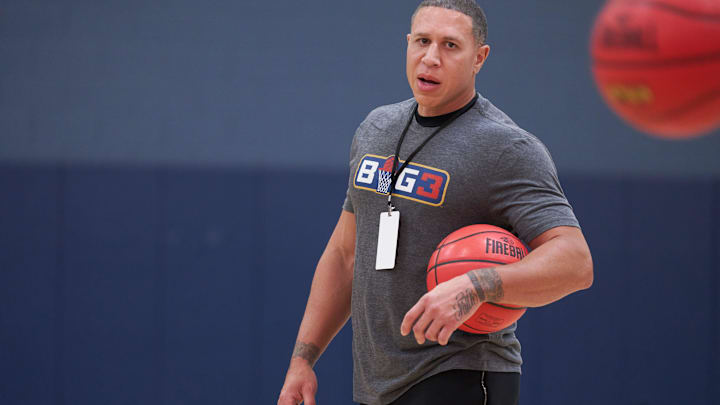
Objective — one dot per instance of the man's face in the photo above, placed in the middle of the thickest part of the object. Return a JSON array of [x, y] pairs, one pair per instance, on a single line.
[[442, 60]]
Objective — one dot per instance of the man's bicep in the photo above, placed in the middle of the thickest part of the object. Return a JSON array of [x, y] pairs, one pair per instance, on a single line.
[[566, 255], [558, 231]]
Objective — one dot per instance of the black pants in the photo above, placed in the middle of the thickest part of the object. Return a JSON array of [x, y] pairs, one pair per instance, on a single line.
[[464, 387]]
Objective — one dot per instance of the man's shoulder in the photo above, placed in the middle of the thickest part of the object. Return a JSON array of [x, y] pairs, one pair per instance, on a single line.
[[387, 115], [492, 121]]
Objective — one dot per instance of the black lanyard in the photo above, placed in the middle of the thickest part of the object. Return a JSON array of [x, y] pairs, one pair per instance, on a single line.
[[396, 173]]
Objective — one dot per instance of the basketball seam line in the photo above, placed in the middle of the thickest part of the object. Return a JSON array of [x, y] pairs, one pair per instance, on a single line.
[[504, 306], [483, 331], [460, 261], [685, 60], [470, 236]]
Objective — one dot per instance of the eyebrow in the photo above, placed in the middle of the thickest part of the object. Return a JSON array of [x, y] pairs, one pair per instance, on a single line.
[[445, 38]]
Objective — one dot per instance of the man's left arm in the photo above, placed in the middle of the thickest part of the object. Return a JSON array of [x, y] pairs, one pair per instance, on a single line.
[[559, 264]]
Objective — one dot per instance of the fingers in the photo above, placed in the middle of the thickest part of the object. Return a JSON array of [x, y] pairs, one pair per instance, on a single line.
[[434, 317], [307, 397], [300, 385], [421, 326], [411, 316], [444, 335], [288, 399], [308, 394], [433, 330], [422, 323]]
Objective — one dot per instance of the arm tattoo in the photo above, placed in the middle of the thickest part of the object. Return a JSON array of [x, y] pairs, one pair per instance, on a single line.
[[307, 351], [464, 303], [488, 284]]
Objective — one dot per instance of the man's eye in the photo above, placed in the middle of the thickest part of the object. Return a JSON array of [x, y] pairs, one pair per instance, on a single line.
[[424, 41], [451, 45]]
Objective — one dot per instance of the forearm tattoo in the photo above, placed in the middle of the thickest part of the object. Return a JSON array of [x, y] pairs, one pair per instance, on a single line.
[[488, 285], [464, 303], [307, 351]]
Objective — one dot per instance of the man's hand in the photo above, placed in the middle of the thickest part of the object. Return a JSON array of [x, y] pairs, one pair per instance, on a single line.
[[439, 312], [300, 384]]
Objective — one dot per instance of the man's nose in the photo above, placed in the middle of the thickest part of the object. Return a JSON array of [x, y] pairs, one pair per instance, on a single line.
[[432, 56]]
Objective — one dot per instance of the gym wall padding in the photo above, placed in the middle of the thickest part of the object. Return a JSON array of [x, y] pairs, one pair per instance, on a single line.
[[178, 286]]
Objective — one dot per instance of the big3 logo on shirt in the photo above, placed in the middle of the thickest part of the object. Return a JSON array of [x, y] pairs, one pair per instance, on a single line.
[[417, 182]]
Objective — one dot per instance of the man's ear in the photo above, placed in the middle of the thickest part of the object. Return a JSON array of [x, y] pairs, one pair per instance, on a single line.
[[480, 57]]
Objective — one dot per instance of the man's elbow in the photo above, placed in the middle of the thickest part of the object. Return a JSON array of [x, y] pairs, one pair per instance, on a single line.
[[585, 269]]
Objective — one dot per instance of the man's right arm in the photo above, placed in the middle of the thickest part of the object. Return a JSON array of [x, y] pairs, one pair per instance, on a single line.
[[327, 310]]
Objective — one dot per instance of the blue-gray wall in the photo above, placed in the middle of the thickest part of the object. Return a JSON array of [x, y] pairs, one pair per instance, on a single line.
[[170, 173], [255, 82]]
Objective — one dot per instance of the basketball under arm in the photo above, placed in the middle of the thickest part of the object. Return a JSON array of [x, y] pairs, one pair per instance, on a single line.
[[328, 306], [559, 264]]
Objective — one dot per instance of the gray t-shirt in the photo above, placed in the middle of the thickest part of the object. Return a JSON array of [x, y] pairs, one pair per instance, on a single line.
[[481, 169]]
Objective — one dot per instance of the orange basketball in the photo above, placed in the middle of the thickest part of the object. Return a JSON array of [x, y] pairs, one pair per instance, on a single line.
[[474, 247], [657, 64]]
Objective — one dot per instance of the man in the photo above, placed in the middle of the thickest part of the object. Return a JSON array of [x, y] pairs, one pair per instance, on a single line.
[[461, 161]]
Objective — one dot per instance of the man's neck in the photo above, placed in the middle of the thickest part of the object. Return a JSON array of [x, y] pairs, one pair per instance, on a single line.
[[428, 111], [438, 120]]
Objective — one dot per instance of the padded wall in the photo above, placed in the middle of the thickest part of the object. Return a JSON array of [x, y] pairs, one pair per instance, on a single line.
[[180, 286]]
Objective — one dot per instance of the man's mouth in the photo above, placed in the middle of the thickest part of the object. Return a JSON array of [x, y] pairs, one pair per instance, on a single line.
[[425, 83], [428, 81]]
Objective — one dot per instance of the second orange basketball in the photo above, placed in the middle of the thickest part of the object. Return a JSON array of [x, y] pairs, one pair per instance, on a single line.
[[474, 247], [657, 64]]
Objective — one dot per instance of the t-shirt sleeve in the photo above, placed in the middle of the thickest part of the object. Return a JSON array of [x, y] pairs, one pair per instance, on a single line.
[[347, 204], [526, 192]]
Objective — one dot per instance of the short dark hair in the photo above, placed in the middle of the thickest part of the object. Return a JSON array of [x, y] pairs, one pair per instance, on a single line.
[[468, 7]]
